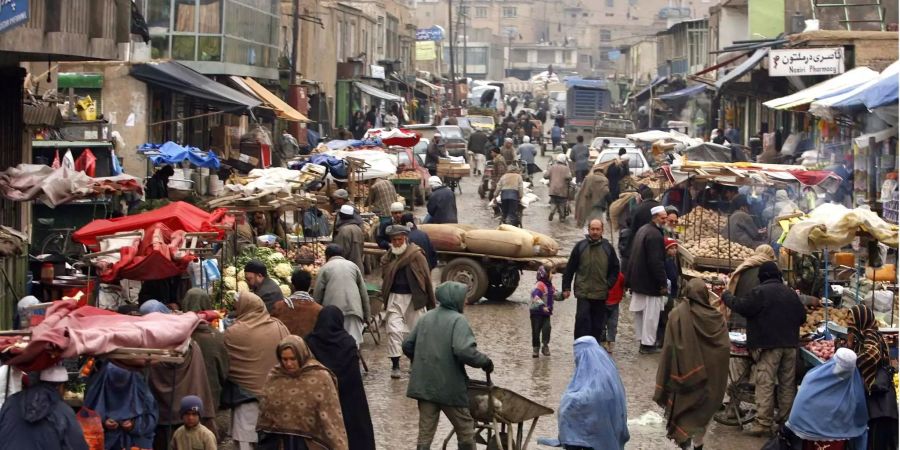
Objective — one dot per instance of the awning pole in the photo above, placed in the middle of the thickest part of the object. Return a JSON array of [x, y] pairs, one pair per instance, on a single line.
[[181, 119]]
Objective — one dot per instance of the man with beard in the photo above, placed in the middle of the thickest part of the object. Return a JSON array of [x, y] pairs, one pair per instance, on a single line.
[[590, 202], [646, 277], [397, 210], [407, 285]]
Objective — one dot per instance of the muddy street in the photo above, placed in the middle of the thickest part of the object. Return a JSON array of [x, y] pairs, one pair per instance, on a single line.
[[502, 330]]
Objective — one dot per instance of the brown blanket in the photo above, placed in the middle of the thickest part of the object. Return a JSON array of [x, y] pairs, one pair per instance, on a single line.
[[693, 367], [251, 343]]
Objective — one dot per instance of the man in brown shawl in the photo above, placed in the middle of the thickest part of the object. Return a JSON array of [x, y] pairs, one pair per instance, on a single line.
[[693, 367], [250, 358], [591, 198], [311, 411], [407, 284], [212, 346], [742, 281]]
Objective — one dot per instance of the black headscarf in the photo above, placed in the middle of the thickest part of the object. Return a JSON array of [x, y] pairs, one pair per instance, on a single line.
[[336, 350]]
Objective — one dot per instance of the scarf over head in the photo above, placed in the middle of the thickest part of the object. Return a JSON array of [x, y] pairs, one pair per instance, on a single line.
[[332, 346], [762, 254], [304, 402], [196, 300], [121, 394], [592, 412], [154, 306], [693, 366], [870, 347], [250, 342]]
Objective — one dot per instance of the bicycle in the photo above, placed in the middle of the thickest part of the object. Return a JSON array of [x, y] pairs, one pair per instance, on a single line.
[[60, 242]]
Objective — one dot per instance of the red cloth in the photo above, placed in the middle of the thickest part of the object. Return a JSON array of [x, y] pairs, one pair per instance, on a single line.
[[87, 162], [70, 330], [56, 162], [614, 296], [398, 136], [155, 257], [811, 177], [175, 216]]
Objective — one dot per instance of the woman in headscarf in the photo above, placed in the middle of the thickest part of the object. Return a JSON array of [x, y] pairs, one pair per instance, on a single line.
[[783, 204], [831, 387], [126, 407], [332, 346], [169, 382], [311, 414], [211, 343], [154, 306], [250, 358], [743, 280], [592, 412], [872, 356], [693, 367]]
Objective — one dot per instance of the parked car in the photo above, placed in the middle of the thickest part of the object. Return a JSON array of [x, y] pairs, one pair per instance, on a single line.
[[637, 163], [614, 143], [453, 138]]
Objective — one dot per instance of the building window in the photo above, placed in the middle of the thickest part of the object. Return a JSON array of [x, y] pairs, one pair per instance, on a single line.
[[185, 15], [476, 56], [464, 10], [509, 12], [547, 56], [209, 48], [610, 3], [605, 35], [481, 12], [519, 55], [183, 47]]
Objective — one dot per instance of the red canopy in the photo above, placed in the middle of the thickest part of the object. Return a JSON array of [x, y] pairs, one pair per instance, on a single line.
[[398, 136], [175, 216]]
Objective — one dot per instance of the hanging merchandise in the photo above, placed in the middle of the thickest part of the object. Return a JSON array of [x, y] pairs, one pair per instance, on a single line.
[[116, 165], [56, 163], [68, 160], [87, 163]]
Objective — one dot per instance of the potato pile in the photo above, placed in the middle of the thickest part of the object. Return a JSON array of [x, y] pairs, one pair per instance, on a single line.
[[704, 275], [720, 248], [816, 316], [703, 223], [409, 174]]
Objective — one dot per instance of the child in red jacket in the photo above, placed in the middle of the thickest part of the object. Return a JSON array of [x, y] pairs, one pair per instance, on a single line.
[[613, 298]]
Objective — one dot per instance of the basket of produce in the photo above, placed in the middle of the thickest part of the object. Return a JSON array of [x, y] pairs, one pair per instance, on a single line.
[[716, 252]]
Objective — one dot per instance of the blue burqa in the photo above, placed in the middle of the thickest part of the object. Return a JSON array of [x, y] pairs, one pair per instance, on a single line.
[[592, 411], [830, 406], [122, 394]]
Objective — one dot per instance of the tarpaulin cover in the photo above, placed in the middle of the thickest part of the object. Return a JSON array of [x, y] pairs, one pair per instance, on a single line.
[[743, 68], [172, 153], [378, 93], [836, 85], [71, 330], [179, 78], [709, 151], [175, 216], [834, 226], [645, 92], [339, 144], [682, 93], [155, 257], [586, 84], [855, 99], [812, 177], [397, 136], [57, 186]]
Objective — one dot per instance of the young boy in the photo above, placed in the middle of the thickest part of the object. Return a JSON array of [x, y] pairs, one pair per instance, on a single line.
[[673, 273], [192, 435], [541, 309], [613, 298]]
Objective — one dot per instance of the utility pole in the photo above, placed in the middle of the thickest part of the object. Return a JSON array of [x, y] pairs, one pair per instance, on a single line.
[[452, 51], [295, 33], [465, 18]]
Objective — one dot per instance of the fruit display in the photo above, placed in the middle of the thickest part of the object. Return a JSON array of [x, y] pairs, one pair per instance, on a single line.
[[716, 247], [703, 223], [409, 174], [823, 349], [815, 316]]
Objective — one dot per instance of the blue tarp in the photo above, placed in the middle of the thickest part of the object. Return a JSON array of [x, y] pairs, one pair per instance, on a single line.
[[743, 68], [880, 93], [681, 93], [645, 92], [338, 144], [172, 153]]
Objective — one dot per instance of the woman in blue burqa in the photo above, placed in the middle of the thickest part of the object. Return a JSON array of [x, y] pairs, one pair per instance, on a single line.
[[126, 407], [835, 389], [592, 413]]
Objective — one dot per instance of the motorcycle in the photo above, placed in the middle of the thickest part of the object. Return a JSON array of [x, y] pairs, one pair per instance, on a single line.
[[560, 205]]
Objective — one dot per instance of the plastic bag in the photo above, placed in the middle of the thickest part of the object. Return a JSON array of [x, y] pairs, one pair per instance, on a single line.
[[92, 426]]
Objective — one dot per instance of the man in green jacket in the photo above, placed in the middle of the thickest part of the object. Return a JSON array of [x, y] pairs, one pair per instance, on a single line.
[[440, 346]]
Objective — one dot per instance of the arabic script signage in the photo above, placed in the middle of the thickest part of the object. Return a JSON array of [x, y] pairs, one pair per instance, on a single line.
[[13, 13], [434, 33], [800, 62]]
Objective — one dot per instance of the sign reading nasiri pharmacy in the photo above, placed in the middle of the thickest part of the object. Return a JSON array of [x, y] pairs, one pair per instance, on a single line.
[[800, 62], [13, 13]]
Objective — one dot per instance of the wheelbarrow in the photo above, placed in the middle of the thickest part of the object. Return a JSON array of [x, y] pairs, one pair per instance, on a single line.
[[496, 411]]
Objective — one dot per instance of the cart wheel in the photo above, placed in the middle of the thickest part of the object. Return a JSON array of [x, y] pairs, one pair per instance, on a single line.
[[469, 272], [506, 285]]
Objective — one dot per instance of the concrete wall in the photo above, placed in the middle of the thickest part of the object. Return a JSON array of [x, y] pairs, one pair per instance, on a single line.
[[122, 95]]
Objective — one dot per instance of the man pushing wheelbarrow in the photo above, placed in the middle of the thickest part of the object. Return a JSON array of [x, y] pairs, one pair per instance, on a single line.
[[440, 346]]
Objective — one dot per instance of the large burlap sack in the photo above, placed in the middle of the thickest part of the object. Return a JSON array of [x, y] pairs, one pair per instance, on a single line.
[[545, 245], [529, 247], [511, 244], [446, 237]]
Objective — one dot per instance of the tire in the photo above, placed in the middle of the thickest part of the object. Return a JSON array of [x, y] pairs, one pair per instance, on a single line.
[[506, 284], [469, 272], [54, 243]]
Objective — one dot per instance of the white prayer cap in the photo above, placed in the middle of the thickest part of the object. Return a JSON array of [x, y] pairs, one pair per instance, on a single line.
[[347, 210], [55, 374], [397, 207], [658, 210]]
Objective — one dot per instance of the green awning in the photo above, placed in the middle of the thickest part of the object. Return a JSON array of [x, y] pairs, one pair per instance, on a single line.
[[77, 80]]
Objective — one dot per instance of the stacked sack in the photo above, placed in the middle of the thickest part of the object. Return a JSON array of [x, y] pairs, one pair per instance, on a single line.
[[506, 241]]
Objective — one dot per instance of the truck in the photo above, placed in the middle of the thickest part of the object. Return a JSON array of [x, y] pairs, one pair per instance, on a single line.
[[585, 99]]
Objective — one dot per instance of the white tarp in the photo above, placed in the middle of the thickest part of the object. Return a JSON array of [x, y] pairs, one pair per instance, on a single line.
[[834, 226], [659, 135], [845, 81], [823, 108], [381, 164]]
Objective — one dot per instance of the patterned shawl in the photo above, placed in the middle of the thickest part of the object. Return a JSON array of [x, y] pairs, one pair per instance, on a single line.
[[870, 347]]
